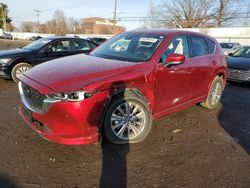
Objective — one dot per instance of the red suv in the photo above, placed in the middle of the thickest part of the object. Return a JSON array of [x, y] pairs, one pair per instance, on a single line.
[[122, 86]]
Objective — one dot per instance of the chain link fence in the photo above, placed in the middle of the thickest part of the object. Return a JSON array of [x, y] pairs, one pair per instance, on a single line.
[[242, 40]]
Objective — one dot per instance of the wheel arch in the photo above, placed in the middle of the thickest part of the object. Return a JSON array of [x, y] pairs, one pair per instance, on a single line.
[[116, 93], [222, 73], [13, 64]]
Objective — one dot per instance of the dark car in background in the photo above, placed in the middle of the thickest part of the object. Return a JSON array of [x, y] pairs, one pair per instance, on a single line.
[[15, 62], [34, 38], [239, 65], [97, 40]]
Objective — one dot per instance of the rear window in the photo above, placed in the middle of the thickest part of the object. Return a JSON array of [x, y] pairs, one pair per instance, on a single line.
[[227, 45]]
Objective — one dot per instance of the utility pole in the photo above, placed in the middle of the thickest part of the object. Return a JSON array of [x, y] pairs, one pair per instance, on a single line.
[[114, 16], [38, 13]]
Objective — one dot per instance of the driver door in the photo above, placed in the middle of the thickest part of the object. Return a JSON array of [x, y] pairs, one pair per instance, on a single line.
[[173, 84], [57, 49]]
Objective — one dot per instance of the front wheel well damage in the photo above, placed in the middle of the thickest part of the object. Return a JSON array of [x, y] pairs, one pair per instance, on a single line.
[[116, 93]]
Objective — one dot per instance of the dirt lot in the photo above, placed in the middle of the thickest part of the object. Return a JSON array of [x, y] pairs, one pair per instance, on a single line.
[[211, 150], [192, 148], [9, 44]]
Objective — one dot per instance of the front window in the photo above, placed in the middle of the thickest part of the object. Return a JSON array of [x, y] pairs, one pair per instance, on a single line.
[[129, 47], [59, 46], [37, 45], [243, 52], [178, 45]]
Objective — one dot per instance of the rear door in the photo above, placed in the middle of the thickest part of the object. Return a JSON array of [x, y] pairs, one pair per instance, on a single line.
[[202, 56], [79, 46]]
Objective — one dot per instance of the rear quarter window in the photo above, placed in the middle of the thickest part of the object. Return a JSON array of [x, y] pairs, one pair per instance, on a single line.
[[211, 46]]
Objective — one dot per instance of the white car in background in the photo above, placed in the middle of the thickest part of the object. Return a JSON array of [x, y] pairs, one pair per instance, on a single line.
[[230, 47]]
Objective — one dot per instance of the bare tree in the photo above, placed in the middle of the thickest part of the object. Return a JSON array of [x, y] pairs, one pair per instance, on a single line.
[[4, 18], [246, 20], [28, 26], [74, 25], [59, 19], [225, 13], [194, 13], [188, 13]]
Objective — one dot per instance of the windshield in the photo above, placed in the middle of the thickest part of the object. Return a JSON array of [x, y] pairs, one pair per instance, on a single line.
[[227, 45], [243, 52], [129, 47], [37, 45]]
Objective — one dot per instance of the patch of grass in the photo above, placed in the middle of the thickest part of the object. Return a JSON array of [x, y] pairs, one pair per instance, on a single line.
[[12, 44]]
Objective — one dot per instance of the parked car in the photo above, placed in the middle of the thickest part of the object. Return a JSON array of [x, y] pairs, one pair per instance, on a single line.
[[15, 62], [239, 65], [34, 38], [6, 36], [230, 47], [98, 40], [116, 94]]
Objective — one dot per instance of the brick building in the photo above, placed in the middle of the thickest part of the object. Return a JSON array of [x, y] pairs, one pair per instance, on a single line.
[[95, 25]]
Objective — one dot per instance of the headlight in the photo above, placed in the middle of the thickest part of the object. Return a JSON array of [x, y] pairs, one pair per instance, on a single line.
[[74, 96], [5, 60]]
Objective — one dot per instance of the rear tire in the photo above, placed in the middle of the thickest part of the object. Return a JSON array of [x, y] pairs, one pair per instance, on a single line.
[[214, 94], [128, 119], [18, 69]]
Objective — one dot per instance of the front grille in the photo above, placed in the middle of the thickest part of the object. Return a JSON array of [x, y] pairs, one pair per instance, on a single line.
[[33, 97], [238, 74]]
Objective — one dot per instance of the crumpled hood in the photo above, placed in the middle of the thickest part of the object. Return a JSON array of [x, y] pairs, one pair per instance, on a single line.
[[76, 72], [241, 63]]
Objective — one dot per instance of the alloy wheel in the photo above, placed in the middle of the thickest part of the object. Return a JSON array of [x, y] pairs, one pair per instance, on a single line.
[[128, 120], [21, 69], [216, 93]]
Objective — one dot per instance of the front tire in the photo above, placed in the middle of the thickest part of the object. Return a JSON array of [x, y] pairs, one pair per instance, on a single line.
[[18, 69], [214, 94], [128, 119]]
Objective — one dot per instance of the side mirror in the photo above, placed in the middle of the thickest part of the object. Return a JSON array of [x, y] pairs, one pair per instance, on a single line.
[[175, 59], [230, 54]]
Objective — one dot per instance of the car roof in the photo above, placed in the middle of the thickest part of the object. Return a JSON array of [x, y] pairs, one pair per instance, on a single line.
[[229, 43], [166, 32], [60, 37]]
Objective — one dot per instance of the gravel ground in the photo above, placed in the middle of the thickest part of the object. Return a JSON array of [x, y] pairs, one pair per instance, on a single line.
[[192, 148]]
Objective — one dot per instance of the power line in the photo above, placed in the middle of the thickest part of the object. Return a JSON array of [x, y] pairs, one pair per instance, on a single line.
[[66, 6]]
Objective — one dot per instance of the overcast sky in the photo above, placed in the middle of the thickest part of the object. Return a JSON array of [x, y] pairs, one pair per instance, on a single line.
[[22, 10]]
